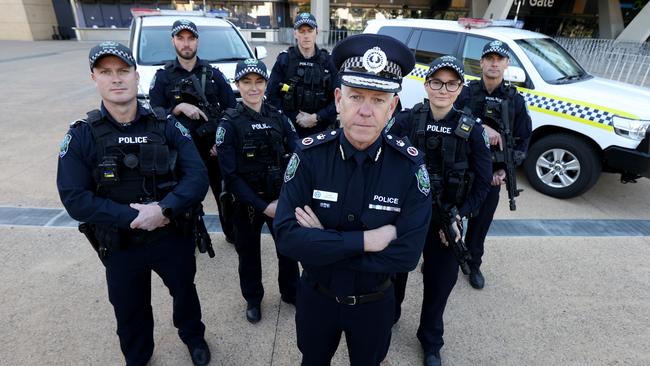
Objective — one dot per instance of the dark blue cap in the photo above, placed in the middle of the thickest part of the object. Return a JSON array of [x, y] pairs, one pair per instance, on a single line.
[[497, 47], [373, 61], [305, 18], [110, 48], [184, 24], [446, 62], [251, 65]]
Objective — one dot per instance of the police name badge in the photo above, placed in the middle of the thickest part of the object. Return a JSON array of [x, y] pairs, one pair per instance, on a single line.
[[291, 167], [221, 134], [325, 195], [63, 148], [184, 131], [424, 185]]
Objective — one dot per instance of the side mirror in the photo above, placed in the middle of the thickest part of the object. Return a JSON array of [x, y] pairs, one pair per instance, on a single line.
[[260, 52], [514, 74]]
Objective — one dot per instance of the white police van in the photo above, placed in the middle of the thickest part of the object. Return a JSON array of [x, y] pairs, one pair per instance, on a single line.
[[582, 124], [220, 42]]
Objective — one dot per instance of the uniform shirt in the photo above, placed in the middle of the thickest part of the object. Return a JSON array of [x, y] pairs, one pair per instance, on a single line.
[[479, 159], [522, 123], [388, 194], [228, 156], [327, 115], [78, 160], [217, 89]]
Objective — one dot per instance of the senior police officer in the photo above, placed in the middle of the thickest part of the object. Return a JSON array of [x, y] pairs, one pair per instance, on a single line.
[[458, 163], [129, 175], [196, 93], [354, 209], [303, 80], [491, 99], [254, 141]]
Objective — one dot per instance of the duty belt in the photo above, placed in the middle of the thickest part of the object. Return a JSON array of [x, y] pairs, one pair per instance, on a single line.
[[355, 299]]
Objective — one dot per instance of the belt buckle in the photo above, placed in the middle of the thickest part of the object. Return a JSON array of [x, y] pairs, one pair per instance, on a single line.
[[354, 300]]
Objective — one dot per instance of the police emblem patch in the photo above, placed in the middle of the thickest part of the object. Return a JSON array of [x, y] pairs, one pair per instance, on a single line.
[[390, 124], [412, 151], [486, 139], [320, 136], [63, 148], [424, 185], [374, 60], [307, 141], [291, 167], [221, 134], [400, 143], [184, 131]]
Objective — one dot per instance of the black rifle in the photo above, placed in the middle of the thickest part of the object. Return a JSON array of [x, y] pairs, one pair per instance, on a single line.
[[89, 232], [445, 215]]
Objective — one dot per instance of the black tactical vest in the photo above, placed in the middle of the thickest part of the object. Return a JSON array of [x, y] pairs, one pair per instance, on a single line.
[[261, 148], [132, 166], [306, 83], [446, 155], [490, 111]]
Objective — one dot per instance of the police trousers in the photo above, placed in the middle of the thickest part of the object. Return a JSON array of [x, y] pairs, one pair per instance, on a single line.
[[128, 276], [478, 226], [248, 229], [320, 320]]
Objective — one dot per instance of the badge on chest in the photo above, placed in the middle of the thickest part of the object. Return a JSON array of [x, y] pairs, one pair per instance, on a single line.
[[325, 195]]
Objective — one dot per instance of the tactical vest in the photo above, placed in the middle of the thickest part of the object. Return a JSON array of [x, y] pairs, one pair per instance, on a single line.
[[260, 148], [446, 155], [132, 167], [306, 83], [490, 112]]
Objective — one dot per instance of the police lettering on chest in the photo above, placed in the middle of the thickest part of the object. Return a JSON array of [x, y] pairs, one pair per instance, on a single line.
[[439, 129], [260, 126], [132, 140]]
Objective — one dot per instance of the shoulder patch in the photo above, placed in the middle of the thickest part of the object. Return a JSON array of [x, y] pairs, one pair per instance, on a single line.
[[184, 131], [293, 128], [403, 145], [220, 136], [422, 176], [318, 139], [65, 143], [290, 172], [390, 124], [486, 139]]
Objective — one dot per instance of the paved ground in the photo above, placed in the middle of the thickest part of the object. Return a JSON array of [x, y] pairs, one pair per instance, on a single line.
[[577, 300]]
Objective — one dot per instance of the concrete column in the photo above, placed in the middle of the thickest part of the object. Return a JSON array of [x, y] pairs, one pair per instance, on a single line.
[[498, 9], [26, 20], [610, 19], [637, 30], [321, 10], [477, 8]]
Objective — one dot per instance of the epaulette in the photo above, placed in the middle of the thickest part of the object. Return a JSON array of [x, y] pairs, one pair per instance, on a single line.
[[77, 123], [159, 113], [403, 145], [318, 139], [231, 113], [93, 116], [169, 64]]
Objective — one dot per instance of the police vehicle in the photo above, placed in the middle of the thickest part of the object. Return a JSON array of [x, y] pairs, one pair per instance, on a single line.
[[582, 124], [220, 42]]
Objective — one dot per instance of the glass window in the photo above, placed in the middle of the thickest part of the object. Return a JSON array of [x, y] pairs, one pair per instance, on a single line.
[[434, 44], [472, 55], [217, 44], [553, 63], [400, 33], [415, 38]]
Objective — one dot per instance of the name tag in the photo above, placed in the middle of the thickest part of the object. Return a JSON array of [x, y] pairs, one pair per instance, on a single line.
[[384, 208], [325, 196]]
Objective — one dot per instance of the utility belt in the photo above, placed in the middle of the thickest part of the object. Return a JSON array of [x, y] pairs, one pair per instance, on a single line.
[[376, 294]]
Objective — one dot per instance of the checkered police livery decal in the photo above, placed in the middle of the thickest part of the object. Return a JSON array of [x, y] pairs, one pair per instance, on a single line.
[[419, 72]]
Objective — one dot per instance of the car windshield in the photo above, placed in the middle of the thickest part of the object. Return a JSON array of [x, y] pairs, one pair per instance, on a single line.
[[216, 44], [554, 64]]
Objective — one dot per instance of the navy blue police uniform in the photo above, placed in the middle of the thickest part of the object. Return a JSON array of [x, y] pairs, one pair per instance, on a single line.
[[458, 164], [103, 167], [343, 288], [475, 96], [173, 85], [304, 84], [253, 150]]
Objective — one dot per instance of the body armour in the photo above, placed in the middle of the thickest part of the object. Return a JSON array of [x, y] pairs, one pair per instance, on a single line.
[[307, 83], [261, 149], [446, 152], [132, 167], [488, 107]]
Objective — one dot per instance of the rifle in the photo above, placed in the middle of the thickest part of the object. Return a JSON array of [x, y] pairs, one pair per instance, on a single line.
[[446, 217], [511, 157]]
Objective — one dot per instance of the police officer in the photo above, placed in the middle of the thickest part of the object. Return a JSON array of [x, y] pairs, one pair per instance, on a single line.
[[303, 80], [196, 93], [129, 175], [458, 163], [254, 142], [488, 94], [354, 209]]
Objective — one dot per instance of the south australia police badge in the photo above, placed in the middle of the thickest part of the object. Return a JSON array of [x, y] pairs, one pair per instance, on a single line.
[[291, 167], [221, 134], [63, 148], [422, 175]]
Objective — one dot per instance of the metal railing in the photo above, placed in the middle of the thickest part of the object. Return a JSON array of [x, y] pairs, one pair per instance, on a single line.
[[628, 62]]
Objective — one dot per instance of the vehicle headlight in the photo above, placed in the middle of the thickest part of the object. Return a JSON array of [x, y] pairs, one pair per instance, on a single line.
[[634, 129]]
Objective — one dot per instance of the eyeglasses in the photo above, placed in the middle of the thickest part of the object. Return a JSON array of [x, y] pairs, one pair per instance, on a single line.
[[451, 86]]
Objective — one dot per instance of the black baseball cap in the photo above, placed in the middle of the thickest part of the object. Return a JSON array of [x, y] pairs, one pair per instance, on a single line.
[[251, 65], [305, 18], [446, 62], [110, 48], [184, 24], [497, 47]]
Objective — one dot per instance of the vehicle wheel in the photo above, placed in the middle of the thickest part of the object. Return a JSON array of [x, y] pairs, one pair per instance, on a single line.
[[562, 166]]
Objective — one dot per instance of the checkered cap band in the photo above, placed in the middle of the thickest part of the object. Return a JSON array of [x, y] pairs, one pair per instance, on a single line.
[[449, 65], [251, 69], [496, 49], [188, 27], [122, 54], [356, 63]]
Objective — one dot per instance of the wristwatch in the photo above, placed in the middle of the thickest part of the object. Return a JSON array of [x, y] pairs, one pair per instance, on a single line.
[[166, 211]]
